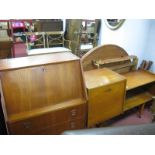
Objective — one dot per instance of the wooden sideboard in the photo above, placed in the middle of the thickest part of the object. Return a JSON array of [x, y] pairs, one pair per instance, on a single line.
[[43, 94]]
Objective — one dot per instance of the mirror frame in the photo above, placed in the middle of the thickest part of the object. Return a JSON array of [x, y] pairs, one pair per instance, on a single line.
[[116, 26]]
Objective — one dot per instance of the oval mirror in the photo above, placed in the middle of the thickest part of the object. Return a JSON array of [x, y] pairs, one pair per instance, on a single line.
[[114, 24]]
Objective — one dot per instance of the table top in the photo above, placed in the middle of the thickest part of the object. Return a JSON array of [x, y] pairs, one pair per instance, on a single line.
[[36, 60], [138, 78], [100, 77]]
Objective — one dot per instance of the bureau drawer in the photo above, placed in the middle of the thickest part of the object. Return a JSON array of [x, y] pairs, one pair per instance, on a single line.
[[53, 129], [70, 113], [28, 126], [59, 128], [31, 125]]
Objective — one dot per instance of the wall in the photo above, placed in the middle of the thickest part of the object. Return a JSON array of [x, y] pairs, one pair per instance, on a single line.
[[132, 36], [149, 52]]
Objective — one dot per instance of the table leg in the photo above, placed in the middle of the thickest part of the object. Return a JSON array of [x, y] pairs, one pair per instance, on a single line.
[[153, 109], [141, 110]]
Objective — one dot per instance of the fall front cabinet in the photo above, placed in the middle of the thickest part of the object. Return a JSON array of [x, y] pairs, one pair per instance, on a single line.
[[106, 94], [43, 94]]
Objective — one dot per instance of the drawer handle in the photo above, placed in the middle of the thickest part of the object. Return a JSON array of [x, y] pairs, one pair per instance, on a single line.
[[27, 125], [108, 90], [73, 112], [72, 125]]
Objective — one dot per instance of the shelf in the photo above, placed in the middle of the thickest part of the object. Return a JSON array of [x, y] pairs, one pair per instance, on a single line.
[[137, 100], [138, 78], [25, 115]]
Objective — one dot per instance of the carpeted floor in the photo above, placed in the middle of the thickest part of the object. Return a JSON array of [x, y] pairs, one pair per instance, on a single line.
[[131, 118], [134, 119]]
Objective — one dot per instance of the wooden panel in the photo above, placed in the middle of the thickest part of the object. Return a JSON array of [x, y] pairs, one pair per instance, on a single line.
[[64, 75], [46, 93], [105, 102], [23, 89], [137, 100], [151, 89], [50, 130], [59, 128], [103, 52], [32, 88], [47, 109], [101, 77], [138, 78], [70, 125], [37, 60]]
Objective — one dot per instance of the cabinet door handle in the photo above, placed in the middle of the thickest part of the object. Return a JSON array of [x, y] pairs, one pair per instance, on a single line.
[[27, 125], [72, 125], [73, 112], [108, 90]]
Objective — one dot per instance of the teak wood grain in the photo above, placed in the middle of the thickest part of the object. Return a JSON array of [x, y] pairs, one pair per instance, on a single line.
[[44, 85], [106, 94], [37, 60], [137, 100], [103, 53], [139, 95], [138, 78], [114, 58], [44, 121], [31, 88], [47, 109], [101, 77]]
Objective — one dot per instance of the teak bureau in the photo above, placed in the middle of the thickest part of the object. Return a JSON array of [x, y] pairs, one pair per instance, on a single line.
[[43, 94]]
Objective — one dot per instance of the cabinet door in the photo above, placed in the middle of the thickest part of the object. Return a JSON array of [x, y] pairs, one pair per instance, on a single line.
[[105, 102]]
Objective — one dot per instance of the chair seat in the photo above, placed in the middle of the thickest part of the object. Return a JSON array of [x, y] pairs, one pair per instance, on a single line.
[[47, 50]]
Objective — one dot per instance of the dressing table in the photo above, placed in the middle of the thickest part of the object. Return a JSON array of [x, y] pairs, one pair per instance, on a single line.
[[136, 87]]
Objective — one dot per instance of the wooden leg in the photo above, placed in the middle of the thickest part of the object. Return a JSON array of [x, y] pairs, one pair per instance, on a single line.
[[141, 110], [153, 109]]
